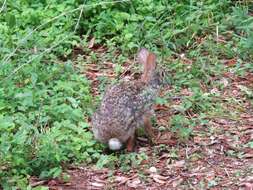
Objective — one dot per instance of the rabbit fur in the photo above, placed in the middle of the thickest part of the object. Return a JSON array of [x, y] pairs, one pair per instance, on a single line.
[[124, 105]]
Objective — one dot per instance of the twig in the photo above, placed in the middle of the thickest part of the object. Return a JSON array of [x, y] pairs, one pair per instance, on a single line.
[[217, 34], [226, 172], [38, 183], [186, 152], [2, 8]]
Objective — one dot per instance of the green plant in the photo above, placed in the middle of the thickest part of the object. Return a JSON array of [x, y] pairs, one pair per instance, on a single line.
[[45, 100], [124, 162], [181, 125], [42, 125]]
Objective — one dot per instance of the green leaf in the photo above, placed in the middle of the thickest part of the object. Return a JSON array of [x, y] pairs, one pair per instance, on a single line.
[[34, 78], [161, 101], [73, 102], [41, 188], [55, 172], [6, 123], [11, 20], [250, 144], [105, 160], [246, 90]]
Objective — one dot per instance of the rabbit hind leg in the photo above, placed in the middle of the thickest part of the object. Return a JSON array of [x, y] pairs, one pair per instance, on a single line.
[[148, 128], [131, 143]]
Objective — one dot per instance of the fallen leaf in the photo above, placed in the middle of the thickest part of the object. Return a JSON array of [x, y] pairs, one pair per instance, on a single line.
[[247, 185], [99, 180], [158, 180], [159, 177], [198, 139], [210, 176], [222, 121], [177, 164], [91, 43], [152, 169], [134, 183], [186, 92], [121, 179], [248, 155], [161, 107], [224, 81], [230, 62], [177, 182], [52, 182], [165, 136], [214, 91], [95, 184], [38, 183]]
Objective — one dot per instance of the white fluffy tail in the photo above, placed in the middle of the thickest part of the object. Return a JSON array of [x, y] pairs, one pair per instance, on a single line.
[[114, 144]]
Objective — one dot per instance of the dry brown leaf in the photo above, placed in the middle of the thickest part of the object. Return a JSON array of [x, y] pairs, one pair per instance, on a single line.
[[152, 169], [177, 182], [91, 43], [38, 183], [121, 179], [198, 139], [134, 183], [224, 81], [248, 155], [99, 180], [186, 92], [159, 107], [210, 176], [246, 115], [177, 164], [197, 174], [52, 182], [222, 121], [230, 62], [95, 184], [158, 180], [159, 177], [214, 91], [165, 136], [247, 185]]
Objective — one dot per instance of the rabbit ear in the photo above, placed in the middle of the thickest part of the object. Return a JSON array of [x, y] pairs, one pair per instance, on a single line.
[[143, 56], [148, 60]]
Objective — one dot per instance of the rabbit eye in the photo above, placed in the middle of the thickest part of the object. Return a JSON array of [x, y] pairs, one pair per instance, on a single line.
[[162, 73]]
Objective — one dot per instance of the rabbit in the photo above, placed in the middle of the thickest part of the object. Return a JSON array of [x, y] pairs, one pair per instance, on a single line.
[[127, 106]]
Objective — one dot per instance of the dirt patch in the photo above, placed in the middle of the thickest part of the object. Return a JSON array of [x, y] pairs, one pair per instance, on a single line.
[[216, 157]]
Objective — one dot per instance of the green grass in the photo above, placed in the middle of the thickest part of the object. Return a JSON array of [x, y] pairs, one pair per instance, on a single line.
[[45, 100]]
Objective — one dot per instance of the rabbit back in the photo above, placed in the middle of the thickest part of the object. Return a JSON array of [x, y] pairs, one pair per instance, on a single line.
[[122, 110], [125, 104]]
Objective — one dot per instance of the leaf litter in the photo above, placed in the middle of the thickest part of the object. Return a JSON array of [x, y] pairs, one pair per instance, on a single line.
[[215, 158]]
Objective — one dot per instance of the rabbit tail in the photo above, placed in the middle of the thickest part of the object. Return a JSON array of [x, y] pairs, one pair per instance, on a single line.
[[114, 144]]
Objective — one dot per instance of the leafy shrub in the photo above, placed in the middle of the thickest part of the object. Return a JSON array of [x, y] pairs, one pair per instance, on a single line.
[[45, 101], [42, 122], [154, 23]]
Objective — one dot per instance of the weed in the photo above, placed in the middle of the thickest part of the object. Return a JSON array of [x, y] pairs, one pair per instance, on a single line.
[[125, 162], [45, 101]]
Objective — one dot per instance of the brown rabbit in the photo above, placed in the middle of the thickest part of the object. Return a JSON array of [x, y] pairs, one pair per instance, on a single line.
[[128, 105]]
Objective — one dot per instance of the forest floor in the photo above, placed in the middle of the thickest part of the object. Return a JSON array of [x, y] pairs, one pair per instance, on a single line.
[[213, 157], [57, 59]]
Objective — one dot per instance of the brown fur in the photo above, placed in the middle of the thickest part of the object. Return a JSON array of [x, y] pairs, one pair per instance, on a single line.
[[128, 105]]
